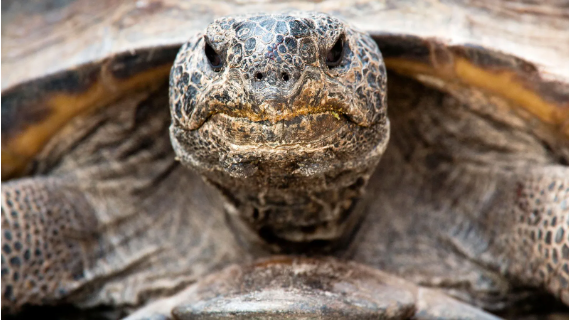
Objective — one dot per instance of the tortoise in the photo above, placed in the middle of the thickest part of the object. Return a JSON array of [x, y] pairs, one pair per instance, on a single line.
[[335, 160]]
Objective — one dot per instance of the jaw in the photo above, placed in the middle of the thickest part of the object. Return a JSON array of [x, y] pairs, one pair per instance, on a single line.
[[287, 183], [303, 147], [299, 132]]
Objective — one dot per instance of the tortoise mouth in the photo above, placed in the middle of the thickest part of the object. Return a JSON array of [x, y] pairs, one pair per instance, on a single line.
[[276, 114], [300, 129]]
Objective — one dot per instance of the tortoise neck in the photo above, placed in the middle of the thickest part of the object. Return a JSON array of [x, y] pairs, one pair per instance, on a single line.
[[289, 220]]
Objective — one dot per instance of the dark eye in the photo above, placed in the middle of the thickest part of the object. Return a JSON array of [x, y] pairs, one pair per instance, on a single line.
[[213, 57], [334, 57]]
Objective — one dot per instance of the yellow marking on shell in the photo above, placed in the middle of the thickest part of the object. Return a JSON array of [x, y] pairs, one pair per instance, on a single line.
[[501, 83], [11, 163], [335, 115], [18, 151]]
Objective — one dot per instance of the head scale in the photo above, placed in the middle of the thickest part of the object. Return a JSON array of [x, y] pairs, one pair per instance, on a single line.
[[286, 115]]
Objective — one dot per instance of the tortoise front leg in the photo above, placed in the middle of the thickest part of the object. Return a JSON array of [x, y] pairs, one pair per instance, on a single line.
[[45, 223], [533, 229]]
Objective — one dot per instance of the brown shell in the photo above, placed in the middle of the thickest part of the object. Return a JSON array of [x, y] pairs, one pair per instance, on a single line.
[[61, 59]]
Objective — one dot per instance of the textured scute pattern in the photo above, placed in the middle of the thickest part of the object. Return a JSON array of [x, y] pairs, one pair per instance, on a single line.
[[271, 99], [43, 226], [540, 236]]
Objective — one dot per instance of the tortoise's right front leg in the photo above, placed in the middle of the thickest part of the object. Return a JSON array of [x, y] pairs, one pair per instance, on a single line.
[[45, 224]]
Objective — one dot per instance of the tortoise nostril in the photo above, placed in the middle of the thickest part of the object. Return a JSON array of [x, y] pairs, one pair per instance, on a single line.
[[285, 76], [259, 75]]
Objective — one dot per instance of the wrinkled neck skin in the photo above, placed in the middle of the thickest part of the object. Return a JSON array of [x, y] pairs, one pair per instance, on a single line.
[[282, 212]]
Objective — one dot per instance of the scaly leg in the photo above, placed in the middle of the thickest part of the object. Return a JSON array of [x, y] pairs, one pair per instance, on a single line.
[[533, 244], [43, 223]]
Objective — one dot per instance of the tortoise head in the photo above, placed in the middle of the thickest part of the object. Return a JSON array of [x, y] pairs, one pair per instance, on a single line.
[[286, 114]]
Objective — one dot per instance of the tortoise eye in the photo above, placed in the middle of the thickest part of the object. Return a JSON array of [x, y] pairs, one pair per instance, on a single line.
[[213, 57], [334, 57]]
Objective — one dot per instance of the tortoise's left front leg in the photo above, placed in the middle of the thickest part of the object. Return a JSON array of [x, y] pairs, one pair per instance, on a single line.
[[47, 224], [530, 222]]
